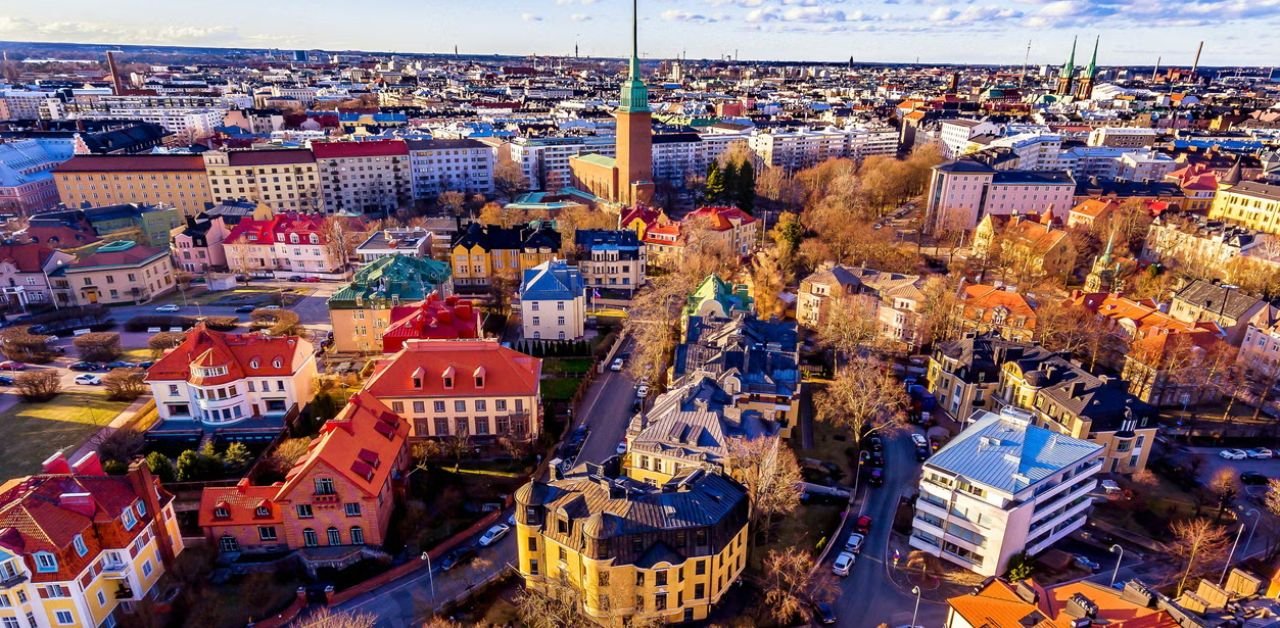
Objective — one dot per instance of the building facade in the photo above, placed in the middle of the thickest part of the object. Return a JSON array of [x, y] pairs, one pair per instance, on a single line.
[[611, 260], [361, 311], [439, 166], [553, 303], [367, 177], [176, 180], [1249, 204], [119, 272], [284, 179]]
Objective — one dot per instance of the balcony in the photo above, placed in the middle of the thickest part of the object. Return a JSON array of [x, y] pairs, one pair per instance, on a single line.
[[1045, 506], [325, 498]]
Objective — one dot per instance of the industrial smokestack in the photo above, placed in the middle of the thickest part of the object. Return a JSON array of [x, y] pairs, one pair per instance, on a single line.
[[1196, 64], [1156, 72], [115, 76]]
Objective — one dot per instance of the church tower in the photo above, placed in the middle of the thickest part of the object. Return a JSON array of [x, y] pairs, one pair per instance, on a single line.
[[1102, 277], [635, 130], [1085, 91], [1066, 77]]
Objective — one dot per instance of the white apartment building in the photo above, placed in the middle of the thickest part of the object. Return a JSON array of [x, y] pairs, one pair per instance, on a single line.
[[962, 192], [1035, 151], [1123, 137], [1000, 487], [956, 133], [867, 141], [22, 104], [795, 150], [283, 179], [1144, 165], [545, 161], [372, 176], [305, 95], [188, 123], [450, 166]]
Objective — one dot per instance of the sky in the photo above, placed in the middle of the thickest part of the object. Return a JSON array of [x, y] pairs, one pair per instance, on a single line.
[[1133, 32]]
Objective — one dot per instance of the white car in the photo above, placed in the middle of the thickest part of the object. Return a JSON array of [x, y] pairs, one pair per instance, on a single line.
[[88, 379], [844, 562], [642, 391], [621, 448], [1260, 453], [919, 440], [1232, 454], [172, 307], [854, 542], [616, 365], [492, 535]]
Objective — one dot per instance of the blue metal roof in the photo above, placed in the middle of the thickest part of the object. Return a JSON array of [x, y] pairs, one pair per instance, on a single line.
[[552, 281], [1008, 454]]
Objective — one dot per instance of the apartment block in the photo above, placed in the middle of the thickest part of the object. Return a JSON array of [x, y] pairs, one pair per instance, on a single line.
[[176, 180], [283, 179]]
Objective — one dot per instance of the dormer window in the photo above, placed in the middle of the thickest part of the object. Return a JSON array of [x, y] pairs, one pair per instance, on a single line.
[[315, 239], [81, 548], [129, 520], [447, 377], [208, 371], [142, 508], [279, 237], [262, 511], [419, 377], [479, 375], [221, 512], [293, 238], [46, 562], [277, 362], [255, 363]]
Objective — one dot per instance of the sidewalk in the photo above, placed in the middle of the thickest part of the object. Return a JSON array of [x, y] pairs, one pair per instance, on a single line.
[[121, 420]]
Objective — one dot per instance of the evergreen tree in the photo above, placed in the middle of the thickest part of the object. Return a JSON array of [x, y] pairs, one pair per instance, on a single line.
[[715, 184], [161, 467], [745, 188], [730, 183], [236, 456]]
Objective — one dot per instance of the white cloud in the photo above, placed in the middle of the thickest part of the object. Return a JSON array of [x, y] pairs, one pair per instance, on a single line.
[[530, 17], [580, 17]]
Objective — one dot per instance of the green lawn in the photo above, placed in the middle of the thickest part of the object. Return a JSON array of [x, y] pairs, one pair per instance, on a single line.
[[31, 432], [560, 388], [567, 366]]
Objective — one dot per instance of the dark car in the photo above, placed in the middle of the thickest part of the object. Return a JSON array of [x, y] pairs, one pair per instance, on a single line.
[[877, 443], [579, 435], [86, 367], [245, 309], [295, 277], [877, 458], [458, 557], [823, 499], [1253, 478], [824, 613], [863, 525], [877, 477], [145, 364], [5, 380], [120, 364], [922, 453]]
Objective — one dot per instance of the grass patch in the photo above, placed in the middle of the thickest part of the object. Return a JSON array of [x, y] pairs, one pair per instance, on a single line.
[[829, 444], [559, 388], [136, 355], [805, 529], [32, 431], [567, 367]]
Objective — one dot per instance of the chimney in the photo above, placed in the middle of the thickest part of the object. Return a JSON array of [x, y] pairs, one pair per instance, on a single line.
[[56, 464], [557, 473], [89, 464], [81, 503], [115, 75], [1081, 607], [147, 488]]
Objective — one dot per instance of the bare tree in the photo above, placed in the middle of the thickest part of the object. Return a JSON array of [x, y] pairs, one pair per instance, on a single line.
[[41, 385], [849, 323], [326, 618], [1272, 500], [941, 317], [98, 346], [864, 398], [552, 605], [769, 279], [790, 581], [1062, 326], [769, 471], [1197, 539], [1224, 487], [457, 445], [451, 203], [126, 384], [508, 177]]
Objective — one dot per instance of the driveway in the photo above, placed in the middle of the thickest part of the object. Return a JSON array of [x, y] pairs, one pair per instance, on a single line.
[[868, 596]]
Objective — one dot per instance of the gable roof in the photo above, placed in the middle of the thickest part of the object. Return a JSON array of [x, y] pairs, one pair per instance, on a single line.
[[244, 355], [362, 443], [433, 318], [241, 503], [506, 372], [988, 300], [552, 280]]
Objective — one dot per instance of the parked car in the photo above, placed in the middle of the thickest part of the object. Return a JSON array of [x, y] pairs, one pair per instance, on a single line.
[[824, 613], [120, 364], [86, 367], [854, 542], [1253, 478], [616, 365], [311, 279], [5, 380], [1084, 562], [935, 444], [1260, 453], [877, 477], [245, 309], [13, 365], [621, 448], [642, 391], [919, 440], [169, 307], [1226, 454], [88, 379], [146, 364], [863, 524], [457, 557], [295, 277], [877, 443], [877, 458], [1110, 487], [271, 307], [842, 564], [494, 534]]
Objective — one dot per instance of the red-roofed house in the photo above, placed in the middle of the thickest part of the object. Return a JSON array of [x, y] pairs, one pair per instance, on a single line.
[[215, 379], [991, 309], [369, 177], [433, 318], [737, 229], [287, 244], [665, 240], [339, 493], [477, 388], [75, 543], [24, 273], [1198, 182]]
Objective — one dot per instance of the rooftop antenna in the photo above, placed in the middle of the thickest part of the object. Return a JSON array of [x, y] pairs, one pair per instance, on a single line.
[[1023, 77], [455, 50]]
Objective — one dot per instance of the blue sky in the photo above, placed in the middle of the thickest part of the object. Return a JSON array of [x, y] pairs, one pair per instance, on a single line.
[[979, 31]]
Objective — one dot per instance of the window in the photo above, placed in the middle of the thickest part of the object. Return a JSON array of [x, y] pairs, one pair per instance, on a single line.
[[352, 509], [699, 591], [146, 567], [442, 426], [639, 578], [262, 511], [357, 535], [438, 406], [304, 511], [481, 405], [460, 406], [309, 538], [700, 568], [533, 567], [65, 618], [129, 520], [4, 601], [102, 598], [335, 537], [266, 533], [324, 486], [500, 405], [46, 562], [11, 622], [228, 544], [419, 407], [81, 549], [397, 407]]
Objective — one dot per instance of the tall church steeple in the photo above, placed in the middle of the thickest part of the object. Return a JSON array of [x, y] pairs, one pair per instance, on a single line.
[[1067, 75], [635, 94], [1089, 79], [635, 129]]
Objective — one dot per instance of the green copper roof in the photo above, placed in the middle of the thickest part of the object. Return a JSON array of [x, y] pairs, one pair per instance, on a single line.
[[635, 95], [393, 278], [1070, 67], [1093, 63], [731, 298]]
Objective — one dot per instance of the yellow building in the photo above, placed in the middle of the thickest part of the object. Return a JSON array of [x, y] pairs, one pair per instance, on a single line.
[[285, 179], [1249, 204], [1028, 248], [119, 272], [78, 547], [630, 550], [485, 252], [99, 180]]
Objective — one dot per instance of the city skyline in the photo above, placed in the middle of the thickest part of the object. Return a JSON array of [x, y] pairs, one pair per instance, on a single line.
[[890, 31]]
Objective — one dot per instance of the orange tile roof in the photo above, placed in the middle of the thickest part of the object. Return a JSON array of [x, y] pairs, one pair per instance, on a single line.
[[241, 503], [989, 298], [998, 605], [1112, 609], [362, 444], [244, 355], [1153, 330], [1096, 207], [506, 372], [721, 218]]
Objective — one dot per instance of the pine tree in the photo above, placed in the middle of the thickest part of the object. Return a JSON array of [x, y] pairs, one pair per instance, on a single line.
[[745, 188], [730, 183], [715, 184]]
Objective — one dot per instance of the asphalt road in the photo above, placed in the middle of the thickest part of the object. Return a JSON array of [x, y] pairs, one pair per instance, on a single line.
[[606, 410], [868, 597]]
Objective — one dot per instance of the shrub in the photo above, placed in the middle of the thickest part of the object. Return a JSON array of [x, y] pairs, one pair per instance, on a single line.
[[115, 467], [279, 322], [221, 323], [161, 467], [125, 384], [41, 385], [18, 343], [121, 445], [236, 457], [98, 346], [164, 341]]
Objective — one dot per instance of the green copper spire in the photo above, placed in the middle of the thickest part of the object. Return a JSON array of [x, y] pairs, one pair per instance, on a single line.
[[1070, 68], [1093, 63], [1106, 253], [635, 95]]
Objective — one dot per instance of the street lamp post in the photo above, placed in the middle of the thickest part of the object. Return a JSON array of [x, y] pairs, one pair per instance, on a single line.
[[1231, 555], [1116, 548], [431, 577], [1254, 528], [857, 475], [916, 611]]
